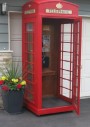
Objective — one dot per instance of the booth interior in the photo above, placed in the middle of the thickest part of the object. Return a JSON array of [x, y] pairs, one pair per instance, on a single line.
[[57, 61]]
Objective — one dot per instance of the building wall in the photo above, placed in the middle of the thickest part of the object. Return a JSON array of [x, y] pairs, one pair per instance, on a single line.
[[13, 5], [3, 32], [84, 6], [16, 5]]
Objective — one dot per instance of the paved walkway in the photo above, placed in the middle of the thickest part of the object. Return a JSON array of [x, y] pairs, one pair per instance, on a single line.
[[28, 119]]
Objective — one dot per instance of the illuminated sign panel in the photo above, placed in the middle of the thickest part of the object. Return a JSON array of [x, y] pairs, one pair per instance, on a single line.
[[31, 11], [55, 11]]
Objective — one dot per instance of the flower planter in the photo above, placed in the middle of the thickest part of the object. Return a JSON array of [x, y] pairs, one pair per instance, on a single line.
[[13, 101], [12, 86]]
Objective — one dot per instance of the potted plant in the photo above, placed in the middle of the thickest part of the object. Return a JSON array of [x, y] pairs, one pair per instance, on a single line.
[[12, 86]]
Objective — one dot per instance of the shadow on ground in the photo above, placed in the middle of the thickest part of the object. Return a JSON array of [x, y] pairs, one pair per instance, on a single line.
[[28, 119]]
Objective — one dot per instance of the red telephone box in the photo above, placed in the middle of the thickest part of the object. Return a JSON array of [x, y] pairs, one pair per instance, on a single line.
[[51, 56]]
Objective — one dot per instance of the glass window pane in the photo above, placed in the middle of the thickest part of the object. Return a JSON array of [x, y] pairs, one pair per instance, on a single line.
[[29, 27], [30, 47], [30, 97], [30, 67], [4, 46], [30, 77], [30, 87], [30, 37], [30, 58]]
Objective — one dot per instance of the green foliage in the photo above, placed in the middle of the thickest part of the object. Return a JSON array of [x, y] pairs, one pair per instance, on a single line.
[[11, 70], [12, 77]]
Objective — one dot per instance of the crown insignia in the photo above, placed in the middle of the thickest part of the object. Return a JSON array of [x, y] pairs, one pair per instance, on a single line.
[[29, 5], [59, 6]]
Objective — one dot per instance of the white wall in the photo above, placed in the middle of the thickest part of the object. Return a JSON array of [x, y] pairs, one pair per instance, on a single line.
[[13, 5]]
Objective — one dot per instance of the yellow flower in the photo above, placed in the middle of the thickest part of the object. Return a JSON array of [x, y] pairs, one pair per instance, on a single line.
[[4, 78], [14, 80], [23, 83]]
